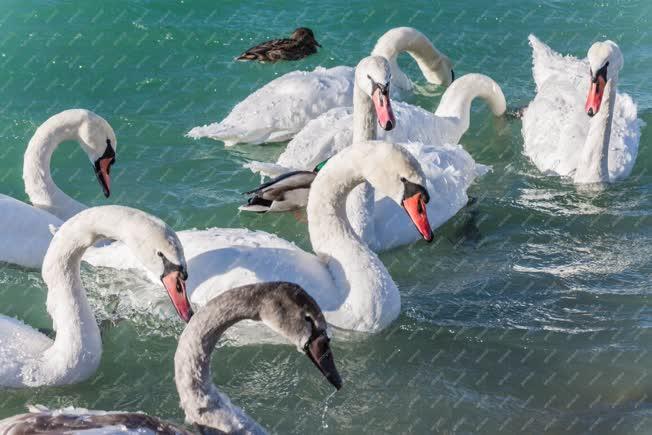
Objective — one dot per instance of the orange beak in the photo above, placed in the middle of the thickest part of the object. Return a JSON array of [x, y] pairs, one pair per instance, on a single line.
[[415, 207], [596, 92], [176, 288], [103, 173], [383, 108]]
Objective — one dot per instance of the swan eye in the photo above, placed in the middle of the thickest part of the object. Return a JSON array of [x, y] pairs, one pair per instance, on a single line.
[[159, 253], [403, 180]]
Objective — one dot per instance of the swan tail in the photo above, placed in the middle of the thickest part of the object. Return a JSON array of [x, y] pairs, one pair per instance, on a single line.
[[545, 61], [230, 135], [267, 169]]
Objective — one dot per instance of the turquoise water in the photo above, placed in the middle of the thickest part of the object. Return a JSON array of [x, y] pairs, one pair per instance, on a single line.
[[530, 313]]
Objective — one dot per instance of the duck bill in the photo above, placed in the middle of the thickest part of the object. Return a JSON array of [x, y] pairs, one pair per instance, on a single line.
[[319, 352], [383, 107], [103, 173], [176, 288], [594, 100], [415, 207]]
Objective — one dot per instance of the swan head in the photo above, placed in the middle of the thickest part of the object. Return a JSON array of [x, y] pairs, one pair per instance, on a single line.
[[306, 35], [164, 258], [98, 140], [288, 310], [158, 249], [373, 76], [400, 177], [605, 60]]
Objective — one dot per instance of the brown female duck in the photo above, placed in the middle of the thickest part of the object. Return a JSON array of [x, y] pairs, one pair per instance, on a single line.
[[301, 43]]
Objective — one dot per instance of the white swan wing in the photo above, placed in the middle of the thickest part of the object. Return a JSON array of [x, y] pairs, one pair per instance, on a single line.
[[414, 124], [547, 64], [328, 134], [24, 232], [278, 110], [320, 139], [19, 343], [555, 127], [221, 258], [625, 137], [449, 171]]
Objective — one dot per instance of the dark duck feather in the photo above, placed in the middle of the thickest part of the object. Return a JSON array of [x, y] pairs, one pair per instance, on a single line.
[[301, 43], [287, 192]]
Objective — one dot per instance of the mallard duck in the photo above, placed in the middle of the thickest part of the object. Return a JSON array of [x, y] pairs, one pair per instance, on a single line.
[[301, 44], [287, 192]]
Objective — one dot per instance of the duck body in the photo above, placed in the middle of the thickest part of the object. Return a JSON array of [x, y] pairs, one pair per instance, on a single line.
[[287, 192], [302, 43]]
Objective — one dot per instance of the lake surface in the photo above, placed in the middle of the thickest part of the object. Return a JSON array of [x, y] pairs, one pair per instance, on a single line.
[[529, 313]]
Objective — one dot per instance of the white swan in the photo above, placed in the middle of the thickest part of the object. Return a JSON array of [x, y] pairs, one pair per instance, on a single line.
[[29, 358], [24, 229], [594, 142], [347, 279], [449, 169], [280, 109], [334, 130], [283, 307]]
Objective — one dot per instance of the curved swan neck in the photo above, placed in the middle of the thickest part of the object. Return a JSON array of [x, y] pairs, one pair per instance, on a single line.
[[456, 101], [200, 399], [364, 115], [434, 65], [593, 165], [76, 352], [39, 185], [77, 349], [372, 300]]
